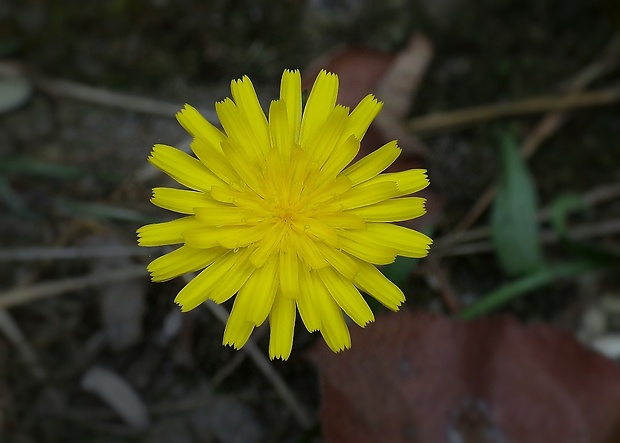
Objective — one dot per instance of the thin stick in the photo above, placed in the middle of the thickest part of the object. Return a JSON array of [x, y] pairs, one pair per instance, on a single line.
[[594, 197], [547, 236], [286, 394], [99, 96], [13, 333], [19, 296], [536, 105], [546, 127], [73, 252], [104, 97]]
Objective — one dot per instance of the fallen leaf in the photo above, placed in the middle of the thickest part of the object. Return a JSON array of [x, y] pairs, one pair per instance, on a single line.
[[514, 224], [424, 378], [113, 390], [393, 78], [122, 304]]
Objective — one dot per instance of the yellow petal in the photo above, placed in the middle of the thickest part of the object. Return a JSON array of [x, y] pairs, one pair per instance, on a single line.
[[214, 160], [290, 92], [247, 102], [340, 220], [183, 168], [342, 262], [321, 143], [333, 326], [373, 282], [282, 327], [328, 191], [362, 116], [347, 296], [248, 171], [373, 164], [368, 195], [280, 130], [166, 233], [238, 329], [256, 297], [321, 102], [181, 261], [237, 127], [307, 302], [221, 215], [308, 251], [228, 286], [397, 209], [181, 200], [199, 127], [408, 182], [316, 229], [409, 243], [340, 157], [289, 273], [219, 282], [359, 245], [268, 245], [244, 198], [231, 237]]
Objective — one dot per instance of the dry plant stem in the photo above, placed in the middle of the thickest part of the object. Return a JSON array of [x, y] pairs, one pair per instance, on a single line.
[[537, 105], [104, 97], [600, 229], [299, 412], [19, 296], [225, 371], [11, 331], [594, 197], [441, 282], [99, 96], [548, 125], [72, 253]]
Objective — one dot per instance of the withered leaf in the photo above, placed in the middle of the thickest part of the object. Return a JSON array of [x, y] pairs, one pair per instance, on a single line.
[[425, 378]]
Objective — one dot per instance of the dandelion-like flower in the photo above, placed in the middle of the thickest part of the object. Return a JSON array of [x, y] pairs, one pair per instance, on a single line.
[[276, 216]]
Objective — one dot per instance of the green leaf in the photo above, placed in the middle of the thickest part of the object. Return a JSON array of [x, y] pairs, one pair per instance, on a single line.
[[560, 208], [513, 219], [38, 168], [526, 284]]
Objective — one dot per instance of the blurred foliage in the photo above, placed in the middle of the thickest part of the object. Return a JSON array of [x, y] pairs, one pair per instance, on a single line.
[[156, 41], [514, 225]]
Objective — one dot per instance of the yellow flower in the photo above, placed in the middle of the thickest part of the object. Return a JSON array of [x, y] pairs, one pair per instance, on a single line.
[[276, 216]]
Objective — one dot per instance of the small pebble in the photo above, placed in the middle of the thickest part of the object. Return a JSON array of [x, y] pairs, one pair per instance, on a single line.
[[608, 345], [593, 322], [610, 304]]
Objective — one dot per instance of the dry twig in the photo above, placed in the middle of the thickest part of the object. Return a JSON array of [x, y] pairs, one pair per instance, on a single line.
[[594, 197], [72, 252], [553, 121], [547, 236], [19, 296], [536, 105], [286, 394]]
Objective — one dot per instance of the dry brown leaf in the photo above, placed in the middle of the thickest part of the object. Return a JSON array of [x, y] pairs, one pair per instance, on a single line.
[[424, 378], [395, 79]]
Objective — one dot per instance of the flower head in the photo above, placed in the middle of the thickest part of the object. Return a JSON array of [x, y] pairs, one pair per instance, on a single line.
[[275, 215]]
